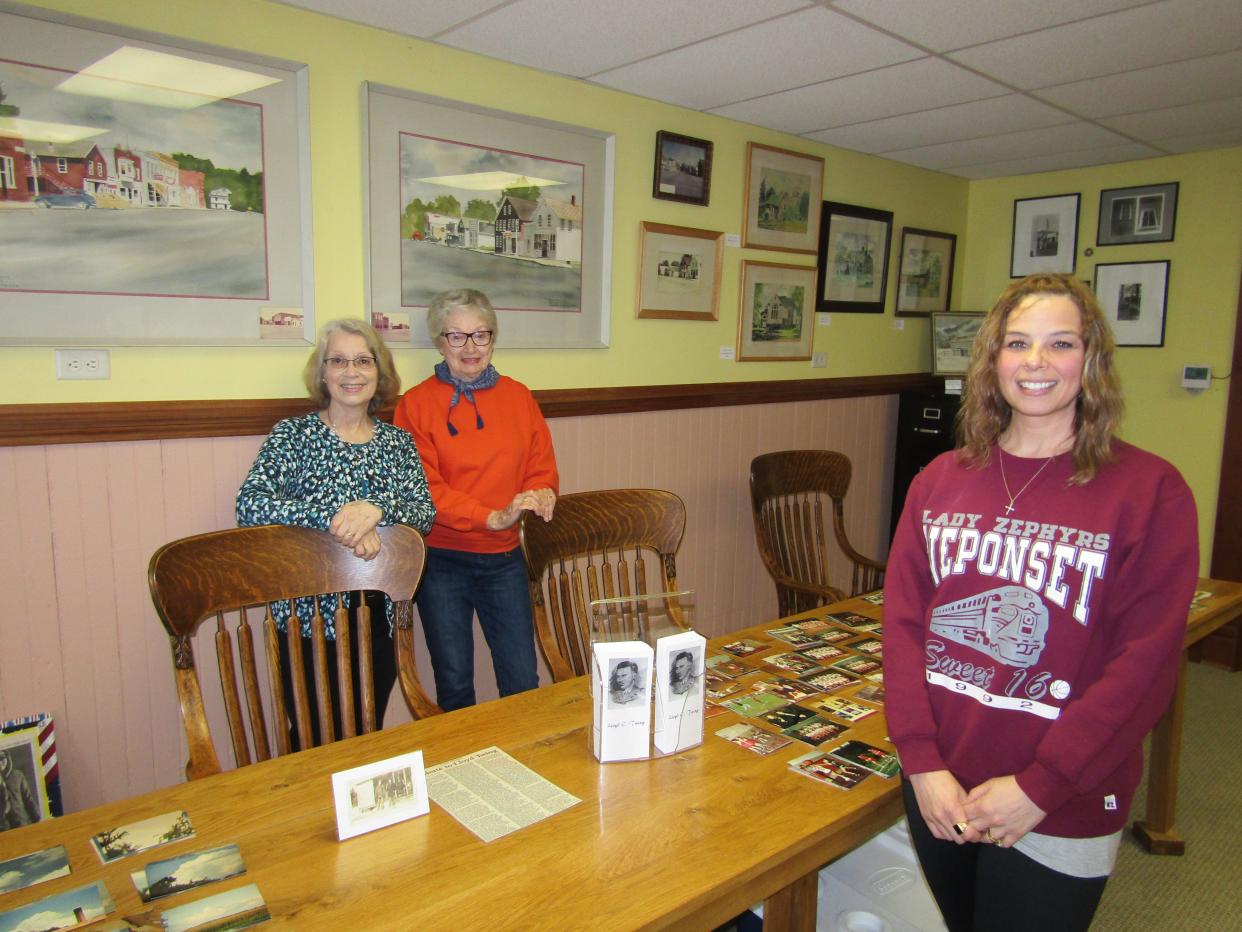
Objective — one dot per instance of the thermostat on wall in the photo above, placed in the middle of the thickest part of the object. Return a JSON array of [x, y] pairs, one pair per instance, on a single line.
[[1196, 378]]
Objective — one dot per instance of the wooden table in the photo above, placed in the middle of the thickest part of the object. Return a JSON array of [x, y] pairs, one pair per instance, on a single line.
[[688, 840], [1155, 832]]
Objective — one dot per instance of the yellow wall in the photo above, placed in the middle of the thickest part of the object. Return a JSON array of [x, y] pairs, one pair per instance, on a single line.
[[1205, 262], [341, 57]]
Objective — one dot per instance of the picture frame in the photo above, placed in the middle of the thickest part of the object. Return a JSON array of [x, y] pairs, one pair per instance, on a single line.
[[775, 316], [192, 190], [679, 272], [519, 207], [924, 272], [1142, 214], [853, 258], [1045, 235], [782, 199], [683, 169], [1134, 297], [952, 337], [379, 794]]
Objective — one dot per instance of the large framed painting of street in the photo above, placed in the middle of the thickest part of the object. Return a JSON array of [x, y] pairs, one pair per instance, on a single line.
[[519, 208], [149, 194]]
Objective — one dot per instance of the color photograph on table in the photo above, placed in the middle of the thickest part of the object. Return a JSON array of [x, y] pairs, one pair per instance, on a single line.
[[783, 199], [852, 275], [774, 317], [125, 840], [187, 871], [66, 910], [26, 870], [823, 768], [753, 738], [233, 909]]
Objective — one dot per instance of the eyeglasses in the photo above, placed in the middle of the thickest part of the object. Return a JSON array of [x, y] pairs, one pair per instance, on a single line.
[[362, 363], [457, 338]]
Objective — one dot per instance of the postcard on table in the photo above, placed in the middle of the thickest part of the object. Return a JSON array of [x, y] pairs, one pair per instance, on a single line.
[[187, 871], [126, 840], [852, 620], [845, 709], [875, 598], [786, 716], [754, 739], [754, 704], [794, 663], [26, 870], [820, 766], [823, 653], [812, 625], [724, 665], [621, 673], [789, 690], [720, 687], [66, 910], [871, 692], [858, 665], [233, 909], [877, 760], [792, 634], [871, 646], [381, 793], [814, 730], [829, 681], [744, 647], [679, 691]]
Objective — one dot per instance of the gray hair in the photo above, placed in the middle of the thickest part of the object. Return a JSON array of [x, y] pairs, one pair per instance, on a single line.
[[446, 302]]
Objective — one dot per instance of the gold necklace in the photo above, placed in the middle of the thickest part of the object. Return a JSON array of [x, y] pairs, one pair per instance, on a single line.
[[1014, 497]]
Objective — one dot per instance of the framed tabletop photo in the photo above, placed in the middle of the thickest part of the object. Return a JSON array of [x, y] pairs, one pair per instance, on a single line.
[[1144, 214], [1045, 235], [782, 199], [924, 272], [683, 169], [853, 258], [774, 319], [952, 338], [1134, 297], [679, 272]]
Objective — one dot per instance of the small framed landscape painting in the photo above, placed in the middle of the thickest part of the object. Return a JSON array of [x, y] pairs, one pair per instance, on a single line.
[[679, 273], [853, 258], [783, 198], [953, 336], [924, 272], [683, 169], [1045, 235], [774, 320]]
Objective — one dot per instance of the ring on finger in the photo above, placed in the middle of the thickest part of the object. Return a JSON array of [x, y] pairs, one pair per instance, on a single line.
[[992, 838]]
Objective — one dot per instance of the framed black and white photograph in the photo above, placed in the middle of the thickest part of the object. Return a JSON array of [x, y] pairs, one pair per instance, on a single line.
[[1045, 234], [380, 794], [1134, 296], [853, 258], [679, 272], [924, 272], [683, 169], [1144, 214], [952, 338]]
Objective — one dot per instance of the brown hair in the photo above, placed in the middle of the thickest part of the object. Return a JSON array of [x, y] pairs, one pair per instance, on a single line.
[[387, 383], [985, 414]]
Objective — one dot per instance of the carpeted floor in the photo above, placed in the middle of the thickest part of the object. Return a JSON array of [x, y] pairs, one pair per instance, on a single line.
[[1198, 890]]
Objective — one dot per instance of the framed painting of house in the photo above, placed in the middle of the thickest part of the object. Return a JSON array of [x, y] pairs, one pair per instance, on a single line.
[[783, 191], [853, 258], [1045, 235], [679, 272], [952, 338], [774, 319], [137, 209], [460, 196], [924, 272]]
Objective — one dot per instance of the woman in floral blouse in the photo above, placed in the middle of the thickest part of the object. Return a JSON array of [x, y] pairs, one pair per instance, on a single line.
[[343, 471]]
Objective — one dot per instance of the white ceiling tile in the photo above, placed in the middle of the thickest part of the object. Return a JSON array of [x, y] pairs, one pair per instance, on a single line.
[[989, 117], [581, 37], [1214, 76], [905, 88], [412, 17], [954, 24], [1188, 120], [800, 49], [1056, 162], [1220, 139], [1144, 36], [1069, 137]]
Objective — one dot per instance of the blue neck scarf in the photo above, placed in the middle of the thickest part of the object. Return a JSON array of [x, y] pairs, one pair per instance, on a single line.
[[461, 388]]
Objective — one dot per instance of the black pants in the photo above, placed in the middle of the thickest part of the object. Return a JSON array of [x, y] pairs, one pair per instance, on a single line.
[[984, 888], [384, 669]]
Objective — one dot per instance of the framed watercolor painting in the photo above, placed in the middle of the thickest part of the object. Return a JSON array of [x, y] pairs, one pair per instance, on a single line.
[[679, 272], [1045, 235], [1137, 215], [1134, 296], [777, 304], [853, 258], [782, 199], [683, 169], [924, 272], [952, 337]]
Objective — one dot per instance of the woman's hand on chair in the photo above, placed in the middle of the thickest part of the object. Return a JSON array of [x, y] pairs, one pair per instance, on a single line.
[[353, 522]]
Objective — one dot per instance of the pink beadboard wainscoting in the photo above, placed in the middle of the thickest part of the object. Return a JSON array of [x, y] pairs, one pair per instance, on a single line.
[[81, 639]]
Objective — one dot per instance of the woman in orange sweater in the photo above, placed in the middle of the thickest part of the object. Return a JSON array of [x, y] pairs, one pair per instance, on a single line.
[[488, 457]]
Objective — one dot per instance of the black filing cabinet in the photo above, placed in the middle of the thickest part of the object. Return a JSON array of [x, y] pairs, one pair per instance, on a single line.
[[924, 431]]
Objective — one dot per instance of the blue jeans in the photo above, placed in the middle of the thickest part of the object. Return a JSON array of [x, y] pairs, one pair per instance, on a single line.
[[458, 584]]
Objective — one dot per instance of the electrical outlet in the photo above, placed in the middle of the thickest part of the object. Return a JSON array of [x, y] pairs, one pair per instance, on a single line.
[[83, 364]]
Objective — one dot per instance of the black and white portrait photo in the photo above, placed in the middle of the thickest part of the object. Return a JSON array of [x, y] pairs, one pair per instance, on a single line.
[[683, 678], [18, 775], [625, 683]]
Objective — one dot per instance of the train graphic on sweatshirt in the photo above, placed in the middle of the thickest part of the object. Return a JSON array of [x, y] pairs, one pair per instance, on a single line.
[[1009, 623]]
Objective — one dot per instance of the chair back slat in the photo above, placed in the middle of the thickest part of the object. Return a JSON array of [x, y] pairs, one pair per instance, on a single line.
[[223, 573], [793, 494], [607, 539]]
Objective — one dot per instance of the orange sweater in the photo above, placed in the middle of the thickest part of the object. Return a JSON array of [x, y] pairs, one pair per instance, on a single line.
[[478, 471]]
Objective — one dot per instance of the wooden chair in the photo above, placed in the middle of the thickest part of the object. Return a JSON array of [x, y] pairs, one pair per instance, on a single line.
[[787, 497], [597, 546], [222, 573]]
